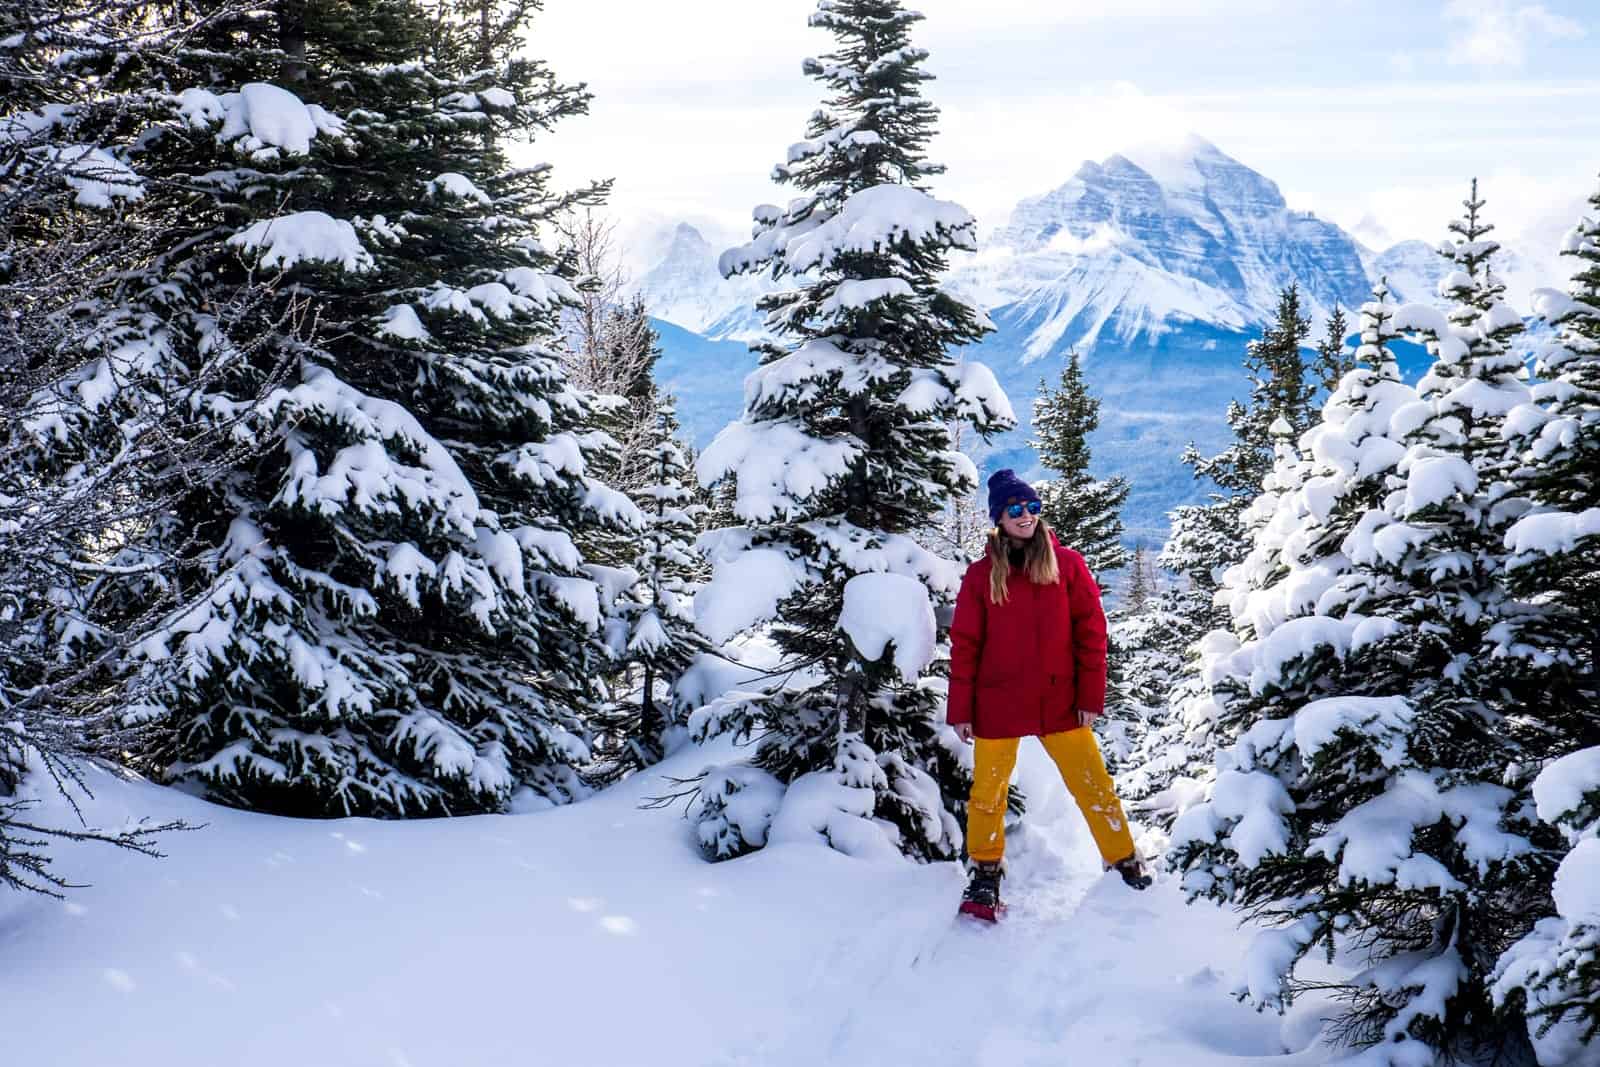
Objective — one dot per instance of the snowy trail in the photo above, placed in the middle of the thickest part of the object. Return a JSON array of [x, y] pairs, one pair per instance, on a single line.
[[594, 935], [1082, 970]]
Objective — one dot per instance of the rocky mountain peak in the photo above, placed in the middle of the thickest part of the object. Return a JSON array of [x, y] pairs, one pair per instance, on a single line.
[[685, 288], [686, 238], [1157, 233]]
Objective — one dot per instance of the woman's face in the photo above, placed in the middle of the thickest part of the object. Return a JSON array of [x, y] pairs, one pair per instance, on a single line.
[[1020, 528]]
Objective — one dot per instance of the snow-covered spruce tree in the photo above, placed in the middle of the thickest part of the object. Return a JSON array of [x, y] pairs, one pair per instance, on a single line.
[[1294, 567], [1334, 359], [1206, 539], [1556, 547], [1148, 656], [658, 639], [634, 348], [95, 396], [1171, 763], [1369, 793], [1552, 976], [402, 623], [1141, 583], [843, 455], [1281, 392], [1084, 513], [1350, 470]]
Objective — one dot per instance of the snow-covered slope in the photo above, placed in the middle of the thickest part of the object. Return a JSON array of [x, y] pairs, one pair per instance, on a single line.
[[593, 934]]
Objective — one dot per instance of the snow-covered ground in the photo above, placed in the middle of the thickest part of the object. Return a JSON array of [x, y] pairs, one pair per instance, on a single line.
[[595, 935]]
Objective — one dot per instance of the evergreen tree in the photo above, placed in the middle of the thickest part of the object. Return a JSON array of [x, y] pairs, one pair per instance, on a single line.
[[843, 457], [1141, 581], [659, 639], [1202, 542], [1171, 762], [1130, 673], [1552, 976], [1206, 539], [399, 621], [1085, 514], [1370, 791], [1280, 389], [1556, 444], [1332, 363], [93, 419], [634, 348]]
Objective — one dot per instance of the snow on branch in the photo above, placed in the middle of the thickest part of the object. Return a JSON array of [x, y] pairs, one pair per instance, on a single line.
[[778, 465], [459, 186], [364, 475], [263, 119], [744, 591], [884, 609], [97, 177], [304, 237], [1550, 533], [871, 221]]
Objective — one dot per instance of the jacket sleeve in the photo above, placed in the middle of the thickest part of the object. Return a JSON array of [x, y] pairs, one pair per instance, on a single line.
[[966, 644], [1088, 635]]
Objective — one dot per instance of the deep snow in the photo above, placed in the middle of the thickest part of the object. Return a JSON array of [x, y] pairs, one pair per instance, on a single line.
[[594, 934]]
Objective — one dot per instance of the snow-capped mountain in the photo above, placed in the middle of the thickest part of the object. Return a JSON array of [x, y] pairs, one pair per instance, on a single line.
[[1411, 269], [684, 288], [1141, 241], [1128, 248]]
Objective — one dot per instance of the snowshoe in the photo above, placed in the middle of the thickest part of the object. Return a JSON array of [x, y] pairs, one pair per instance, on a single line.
[[1134, 872], [982, 898]]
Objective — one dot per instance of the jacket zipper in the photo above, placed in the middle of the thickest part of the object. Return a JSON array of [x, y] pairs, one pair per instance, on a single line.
[[1038, 655]]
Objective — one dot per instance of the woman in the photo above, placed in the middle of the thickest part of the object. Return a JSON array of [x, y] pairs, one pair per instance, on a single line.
[[1028, 658]]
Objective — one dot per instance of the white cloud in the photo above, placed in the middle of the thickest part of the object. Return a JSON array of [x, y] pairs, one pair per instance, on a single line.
[[1528, 211], [1497, 32], [1103, 237], [691, 111]]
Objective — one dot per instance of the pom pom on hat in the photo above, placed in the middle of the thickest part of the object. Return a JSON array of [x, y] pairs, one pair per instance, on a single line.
[[1005, 487]]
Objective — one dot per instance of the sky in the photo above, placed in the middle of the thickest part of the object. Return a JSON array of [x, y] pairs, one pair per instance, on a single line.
[[1374, 113]]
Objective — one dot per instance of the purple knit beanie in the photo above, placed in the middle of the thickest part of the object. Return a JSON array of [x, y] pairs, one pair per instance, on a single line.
[[1004, 487]]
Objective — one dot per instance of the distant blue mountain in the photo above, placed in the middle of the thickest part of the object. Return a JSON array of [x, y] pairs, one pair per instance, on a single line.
[[1157, 395], [706, 376]]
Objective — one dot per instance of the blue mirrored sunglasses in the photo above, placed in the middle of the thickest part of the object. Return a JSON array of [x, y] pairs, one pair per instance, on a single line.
[[1015, 510]]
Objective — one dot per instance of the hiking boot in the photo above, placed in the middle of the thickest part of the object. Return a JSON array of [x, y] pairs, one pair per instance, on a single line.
[[982, 898]]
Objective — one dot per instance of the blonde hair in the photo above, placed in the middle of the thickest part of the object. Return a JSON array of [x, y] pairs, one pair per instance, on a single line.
[[1038, 561]]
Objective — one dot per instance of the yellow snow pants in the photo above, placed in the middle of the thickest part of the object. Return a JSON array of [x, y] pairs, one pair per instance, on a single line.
[[1083, 769]]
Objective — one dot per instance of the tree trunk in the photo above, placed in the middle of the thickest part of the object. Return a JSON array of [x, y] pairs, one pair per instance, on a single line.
[[292, 40], [649, 726]]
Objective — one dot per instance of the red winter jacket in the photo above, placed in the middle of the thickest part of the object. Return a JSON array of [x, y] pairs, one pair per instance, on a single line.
[[1027, 666]]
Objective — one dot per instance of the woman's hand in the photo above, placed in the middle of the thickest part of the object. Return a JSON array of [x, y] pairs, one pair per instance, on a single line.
[[1087, 718], [964, 731]]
